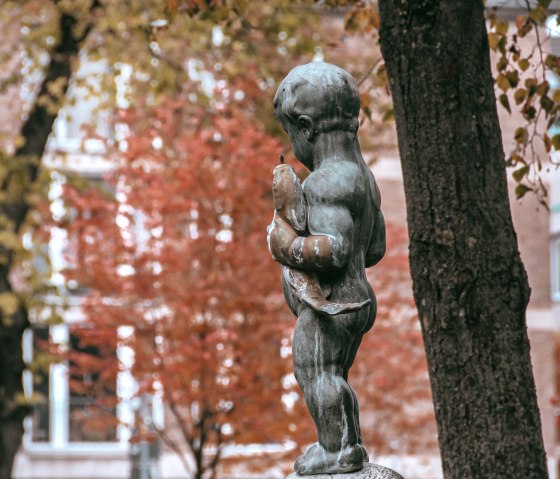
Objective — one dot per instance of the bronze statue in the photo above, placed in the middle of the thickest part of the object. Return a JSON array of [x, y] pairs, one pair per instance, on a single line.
[[325, 233]]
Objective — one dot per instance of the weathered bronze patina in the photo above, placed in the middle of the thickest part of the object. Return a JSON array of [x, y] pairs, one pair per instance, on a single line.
[[325, 232]]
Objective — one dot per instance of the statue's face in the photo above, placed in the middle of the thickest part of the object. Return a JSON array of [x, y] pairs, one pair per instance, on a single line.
[[303, 148]]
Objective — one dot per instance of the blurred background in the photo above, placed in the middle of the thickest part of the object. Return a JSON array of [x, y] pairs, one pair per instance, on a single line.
[[138, 296]]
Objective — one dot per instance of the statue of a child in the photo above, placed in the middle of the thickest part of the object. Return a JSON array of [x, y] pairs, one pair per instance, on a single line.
[[325, 233]]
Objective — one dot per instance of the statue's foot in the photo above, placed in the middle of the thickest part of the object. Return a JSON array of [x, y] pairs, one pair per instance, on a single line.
[[364, 453], [316, 460], [301, 459]]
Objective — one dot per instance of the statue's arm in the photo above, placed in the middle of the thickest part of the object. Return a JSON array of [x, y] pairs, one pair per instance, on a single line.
[[377, 245], [331, 231]]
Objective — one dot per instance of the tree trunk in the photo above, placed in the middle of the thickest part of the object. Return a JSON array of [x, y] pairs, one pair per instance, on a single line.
[[35, 132], [470, 285]]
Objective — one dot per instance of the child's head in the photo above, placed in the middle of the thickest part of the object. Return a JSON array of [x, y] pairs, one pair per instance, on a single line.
[[320, 93]]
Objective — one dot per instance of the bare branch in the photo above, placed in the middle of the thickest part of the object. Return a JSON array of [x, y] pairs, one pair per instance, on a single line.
[[368, 73]]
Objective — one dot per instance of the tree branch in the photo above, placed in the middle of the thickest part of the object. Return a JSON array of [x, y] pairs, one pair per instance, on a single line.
[[368, 73]]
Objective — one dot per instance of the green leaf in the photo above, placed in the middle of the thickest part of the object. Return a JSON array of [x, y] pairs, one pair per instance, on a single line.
[[521, 135], [523, 64], [513, 78], [493, 39], [502, 44], [531, 84], [520, 173], [515, 159], [389, 115], [555, 140], [543, 88], [502, 82], [521, 190], [502, 64], [529, 112], [520, 95], [538, 14], [502, 27], [546, 103], [551, 61], [505, 102]]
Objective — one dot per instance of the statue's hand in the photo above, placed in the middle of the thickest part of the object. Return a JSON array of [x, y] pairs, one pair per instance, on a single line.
[[280, 238]]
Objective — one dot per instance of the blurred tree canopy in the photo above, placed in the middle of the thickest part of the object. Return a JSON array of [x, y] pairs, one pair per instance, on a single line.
[[178, 254], [198, 61], [179, 81]]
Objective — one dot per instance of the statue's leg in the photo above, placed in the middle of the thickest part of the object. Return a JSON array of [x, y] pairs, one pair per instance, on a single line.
[[320, 351], [349, 361]]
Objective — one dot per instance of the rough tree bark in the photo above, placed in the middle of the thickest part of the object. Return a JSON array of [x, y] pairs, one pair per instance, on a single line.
[[35, 132], [470, 285]]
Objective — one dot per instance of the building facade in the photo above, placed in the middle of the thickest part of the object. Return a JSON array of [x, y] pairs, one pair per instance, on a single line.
[[58, 446]]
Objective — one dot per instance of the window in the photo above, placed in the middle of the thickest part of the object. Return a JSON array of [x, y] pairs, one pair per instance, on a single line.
[[66, 415], [66, 244], [41, 423], [86, 125], [84, 122], [89, 421]]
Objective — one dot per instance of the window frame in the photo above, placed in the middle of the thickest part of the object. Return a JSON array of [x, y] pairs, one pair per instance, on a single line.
[[59, 406]]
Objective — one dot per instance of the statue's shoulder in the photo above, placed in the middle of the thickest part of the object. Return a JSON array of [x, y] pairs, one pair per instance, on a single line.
[[339, 182]]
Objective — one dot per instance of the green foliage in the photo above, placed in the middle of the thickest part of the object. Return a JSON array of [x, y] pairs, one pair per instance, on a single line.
[[149, 37], [524, 69], [9, 305], [167, 49]]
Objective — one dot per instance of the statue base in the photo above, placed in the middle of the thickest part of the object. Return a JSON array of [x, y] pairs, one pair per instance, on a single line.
[[369, 471]]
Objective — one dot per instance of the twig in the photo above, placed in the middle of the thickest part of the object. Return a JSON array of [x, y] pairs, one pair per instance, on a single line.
[[368, 73]]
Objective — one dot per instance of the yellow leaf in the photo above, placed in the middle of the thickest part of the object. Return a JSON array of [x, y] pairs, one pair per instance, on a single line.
[[493, 39], [543, 88], [9, 303], [502, 82], [502, 27], [538, 14]]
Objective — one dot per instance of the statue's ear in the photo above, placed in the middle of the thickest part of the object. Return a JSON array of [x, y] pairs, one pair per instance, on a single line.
[[305, 125]]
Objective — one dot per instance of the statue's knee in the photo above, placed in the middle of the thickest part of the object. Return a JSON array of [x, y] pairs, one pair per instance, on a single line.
[[304, 375], [329, 386]]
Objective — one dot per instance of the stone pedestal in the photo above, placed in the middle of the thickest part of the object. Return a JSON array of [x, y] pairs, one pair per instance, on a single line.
[[370, 471]]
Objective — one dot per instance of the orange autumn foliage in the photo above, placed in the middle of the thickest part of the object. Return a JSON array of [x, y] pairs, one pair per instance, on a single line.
[[177, 251], [179, 254]]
